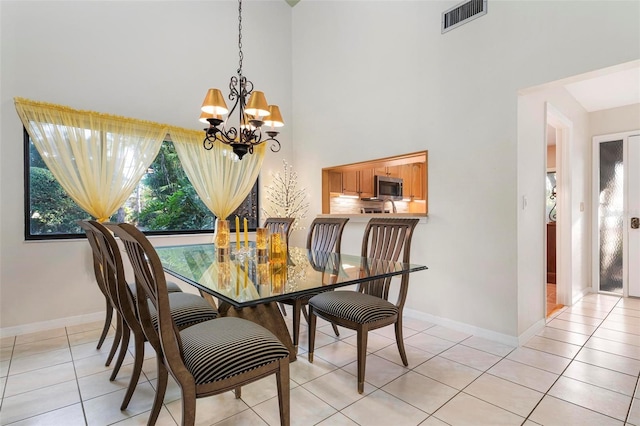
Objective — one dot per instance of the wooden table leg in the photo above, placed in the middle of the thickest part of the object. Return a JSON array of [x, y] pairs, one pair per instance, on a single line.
[[267, 315]]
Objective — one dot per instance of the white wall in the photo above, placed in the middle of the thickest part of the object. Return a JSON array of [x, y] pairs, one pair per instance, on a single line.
[[615, 120], [360, 80], [375, 79], [532, 122], [148, 60]]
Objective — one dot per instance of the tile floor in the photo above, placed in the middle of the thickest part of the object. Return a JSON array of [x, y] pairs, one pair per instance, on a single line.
[[582, 369]]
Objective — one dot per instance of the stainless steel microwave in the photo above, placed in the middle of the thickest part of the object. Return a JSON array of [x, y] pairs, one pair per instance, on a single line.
[[386, 187]]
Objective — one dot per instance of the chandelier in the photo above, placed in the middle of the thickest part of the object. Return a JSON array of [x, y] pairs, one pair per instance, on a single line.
[[252, 114]]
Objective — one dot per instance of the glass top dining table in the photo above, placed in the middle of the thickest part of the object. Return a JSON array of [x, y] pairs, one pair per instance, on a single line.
[[248, 280], [248, 285]]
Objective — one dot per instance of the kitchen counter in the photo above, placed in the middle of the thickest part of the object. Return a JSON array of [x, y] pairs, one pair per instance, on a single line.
[[364, 217]]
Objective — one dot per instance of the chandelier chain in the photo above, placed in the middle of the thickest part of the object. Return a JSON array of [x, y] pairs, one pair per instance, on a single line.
[[240, 37]]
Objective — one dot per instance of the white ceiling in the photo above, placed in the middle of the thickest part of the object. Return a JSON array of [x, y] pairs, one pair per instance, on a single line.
[[607, 91]]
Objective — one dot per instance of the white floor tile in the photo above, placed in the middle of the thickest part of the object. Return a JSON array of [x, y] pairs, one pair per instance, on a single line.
[[575, 327], [633, 417], [620, 326], [471, 357], [164, 419], [94, 325], [36, 379], [375, 342], [338, 389], [54, 377], [623, 349], [40, 335], [415, 356], [422, 392], [98, 384], [447, 333], [604, 401], [303, 371], [71, 415], [467, 410], [539, 359], [490, 346], [554, 347], [379, 405], [306, 409], [505, 394], [564, 336], [602, 377], [429, 343], [524, 375], [39, 346], [448, 372], [41, 360], [105, 409], [4, 368], [338, 353], [244, 418], [7, 342], [378, 371], [210, 410], [618, 336], [40, 401], [338, 419], [390, 332], [610, 361]]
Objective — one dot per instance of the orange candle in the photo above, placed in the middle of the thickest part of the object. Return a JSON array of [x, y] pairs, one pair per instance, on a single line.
[[246, 237], [237, 232]]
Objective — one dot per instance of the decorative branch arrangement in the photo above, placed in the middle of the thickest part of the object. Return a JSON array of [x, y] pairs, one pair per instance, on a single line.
[[285, 199]]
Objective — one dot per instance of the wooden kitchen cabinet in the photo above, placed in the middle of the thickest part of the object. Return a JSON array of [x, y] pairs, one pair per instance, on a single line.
[[358, 182], [390, 171], [335, 182], [366, 183], [414, 181]]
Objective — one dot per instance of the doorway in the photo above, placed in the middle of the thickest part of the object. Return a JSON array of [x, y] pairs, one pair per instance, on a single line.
[[616, 234], [557, 210]]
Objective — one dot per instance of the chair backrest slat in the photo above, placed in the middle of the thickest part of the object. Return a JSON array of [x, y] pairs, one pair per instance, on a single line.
[[325, 234], [273, 224], [151, 281], [387, 239]]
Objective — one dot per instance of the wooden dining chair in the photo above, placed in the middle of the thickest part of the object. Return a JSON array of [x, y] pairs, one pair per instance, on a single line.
[[325, 236], [368, 308], [207, 358], [110, 303], [273, 225], [186, 308]]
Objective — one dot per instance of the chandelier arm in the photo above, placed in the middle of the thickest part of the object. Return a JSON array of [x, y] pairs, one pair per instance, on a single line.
[[242, 138]]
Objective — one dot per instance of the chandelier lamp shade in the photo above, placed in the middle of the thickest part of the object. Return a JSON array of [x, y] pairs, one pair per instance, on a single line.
[[253, 113]]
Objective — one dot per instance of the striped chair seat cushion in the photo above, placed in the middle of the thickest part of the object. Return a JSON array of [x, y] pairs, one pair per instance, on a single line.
[[353, 306], [223, 348], [171, 288], [186, 309]]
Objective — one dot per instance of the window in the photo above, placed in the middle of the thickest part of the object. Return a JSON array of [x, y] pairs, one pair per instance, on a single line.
[[163, 203]]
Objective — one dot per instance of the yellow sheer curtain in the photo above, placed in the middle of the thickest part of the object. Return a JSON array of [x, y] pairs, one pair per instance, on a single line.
[[97, 158], [220, 179]]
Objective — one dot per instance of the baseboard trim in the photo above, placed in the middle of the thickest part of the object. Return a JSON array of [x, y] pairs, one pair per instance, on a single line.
[[49, 325], [531, 331], [583, 293], [465, 328]]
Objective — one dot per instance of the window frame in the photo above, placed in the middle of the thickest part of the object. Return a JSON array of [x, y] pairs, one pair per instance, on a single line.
[[52, 237]]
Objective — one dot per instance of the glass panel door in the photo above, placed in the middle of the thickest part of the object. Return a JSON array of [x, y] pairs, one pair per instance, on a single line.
[[611, 216]]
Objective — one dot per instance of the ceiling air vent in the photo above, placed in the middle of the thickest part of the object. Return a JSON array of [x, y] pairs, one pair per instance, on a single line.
[[463, 13]]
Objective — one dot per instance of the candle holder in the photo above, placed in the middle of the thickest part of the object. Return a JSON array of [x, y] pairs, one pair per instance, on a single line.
[[262, 238], [242, 253], [222, 239]]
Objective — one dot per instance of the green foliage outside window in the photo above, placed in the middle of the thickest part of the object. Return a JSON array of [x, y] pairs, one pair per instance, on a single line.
[[164, 201]]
